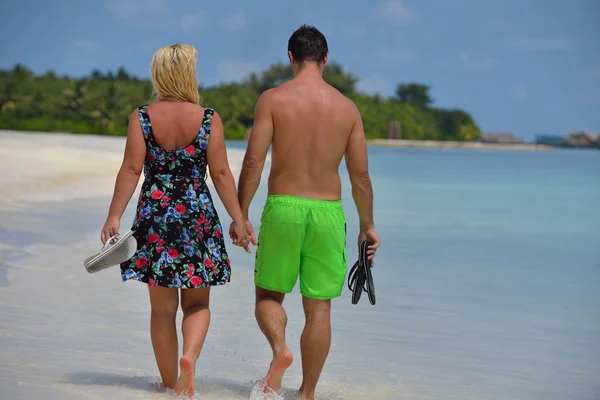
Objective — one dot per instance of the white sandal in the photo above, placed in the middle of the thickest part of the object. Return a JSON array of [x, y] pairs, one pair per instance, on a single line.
[[115, 251]]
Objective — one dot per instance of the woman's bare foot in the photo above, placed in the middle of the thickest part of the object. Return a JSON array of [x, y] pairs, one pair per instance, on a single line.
[[185, 384], [279, 365]]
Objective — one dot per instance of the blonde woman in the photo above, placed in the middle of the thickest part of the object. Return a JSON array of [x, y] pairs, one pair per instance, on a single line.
[[181, 251]]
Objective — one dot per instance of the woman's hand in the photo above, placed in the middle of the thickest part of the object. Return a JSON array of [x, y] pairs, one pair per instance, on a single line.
[[242, 234], [110, 229]]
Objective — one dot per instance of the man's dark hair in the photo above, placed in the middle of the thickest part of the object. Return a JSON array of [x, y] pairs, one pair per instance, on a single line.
[[308, 44]]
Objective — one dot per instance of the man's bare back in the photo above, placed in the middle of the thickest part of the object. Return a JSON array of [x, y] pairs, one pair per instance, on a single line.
[[312, 122]]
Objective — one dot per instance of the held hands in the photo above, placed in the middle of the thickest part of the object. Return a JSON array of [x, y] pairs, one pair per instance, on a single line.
[[370, 236], [242, 234], [110, 229]]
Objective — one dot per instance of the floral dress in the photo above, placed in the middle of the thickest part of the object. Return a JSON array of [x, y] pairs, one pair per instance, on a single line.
[[178, 232]]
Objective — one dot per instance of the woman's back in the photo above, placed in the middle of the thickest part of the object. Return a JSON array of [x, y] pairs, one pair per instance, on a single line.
[[176, 136], [175, 124]]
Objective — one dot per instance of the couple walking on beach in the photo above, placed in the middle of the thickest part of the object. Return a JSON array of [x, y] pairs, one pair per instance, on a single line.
[[311, 127]]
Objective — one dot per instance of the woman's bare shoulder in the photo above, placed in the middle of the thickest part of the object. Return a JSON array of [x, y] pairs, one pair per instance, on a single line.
[[182, 109]]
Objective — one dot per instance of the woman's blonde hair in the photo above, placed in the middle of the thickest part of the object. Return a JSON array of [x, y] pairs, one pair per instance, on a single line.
[[173, 71]]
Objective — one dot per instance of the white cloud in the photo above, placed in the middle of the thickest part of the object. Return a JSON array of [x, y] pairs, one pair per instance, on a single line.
[[518, 92], [357, 32], [389, 57], [468, 60], [85, 44], [122, 8], [544, 43], [593, 73], [373, 85], [157, 6], [235, 22], [131, 8], [395, 11], [588, 98], [193, 21], [236, 70]]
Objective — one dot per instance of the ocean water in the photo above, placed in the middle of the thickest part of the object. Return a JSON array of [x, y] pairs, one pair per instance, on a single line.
[[487, 289]]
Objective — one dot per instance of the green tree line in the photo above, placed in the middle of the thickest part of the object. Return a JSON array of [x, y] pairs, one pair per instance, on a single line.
[[102, 102]]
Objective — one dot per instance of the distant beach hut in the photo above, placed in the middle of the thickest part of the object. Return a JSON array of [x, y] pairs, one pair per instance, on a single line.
[[394, 131], [502, 138], [583, 139], [550, 140]]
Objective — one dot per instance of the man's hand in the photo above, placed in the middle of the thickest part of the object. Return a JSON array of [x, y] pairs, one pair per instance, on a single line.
[[250, 231], [370, 236], [242, 234]]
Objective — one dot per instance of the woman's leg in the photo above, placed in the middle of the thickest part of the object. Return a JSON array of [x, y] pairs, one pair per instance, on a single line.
[[196, 318], [163, 331]]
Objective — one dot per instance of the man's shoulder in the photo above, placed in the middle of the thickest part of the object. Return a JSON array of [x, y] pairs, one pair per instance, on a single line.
[[346, 105], [347, 101], [274, 98], [340, 98], [268, 96]]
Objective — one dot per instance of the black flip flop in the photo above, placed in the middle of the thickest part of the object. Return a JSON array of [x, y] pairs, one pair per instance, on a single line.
[[360, 275]]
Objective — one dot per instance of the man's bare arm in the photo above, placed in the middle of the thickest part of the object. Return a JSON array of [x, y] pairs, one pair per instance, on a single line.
[[260, 139], [357, 163], [358, 168]]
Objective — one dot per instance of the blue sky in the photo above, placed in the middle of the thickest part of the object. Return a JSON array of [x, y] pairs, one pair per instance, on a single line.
[[524, 66]]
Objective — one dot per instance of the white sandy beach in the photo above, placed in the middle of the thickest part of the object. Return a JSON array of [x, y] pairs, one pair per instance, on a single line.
[[66, 334], [57, 167]]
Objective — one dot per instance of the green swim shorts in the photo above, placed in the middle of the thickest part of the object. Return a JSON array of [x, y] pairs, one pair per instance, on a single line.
[[305, 237]]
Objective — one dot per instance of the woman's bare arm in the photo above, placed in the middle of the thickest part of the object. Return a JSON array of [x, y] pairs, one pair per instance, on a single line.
[[128, 176], [220, 172]]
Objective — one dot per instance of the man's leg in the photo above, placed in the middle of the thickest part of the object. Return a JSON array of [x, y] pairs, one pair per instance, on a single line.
[[163, 332], [322, 277], [314, 344], [272, 320], [276, 272]]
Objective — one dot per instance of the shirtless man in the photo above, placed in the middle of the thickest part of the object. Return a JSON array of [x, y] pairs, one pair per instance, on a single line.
[[311, 126]]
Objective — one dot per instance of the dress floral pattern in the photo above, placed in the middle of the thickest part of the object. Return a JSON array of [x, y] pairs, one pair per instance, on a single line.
[[179, 235]]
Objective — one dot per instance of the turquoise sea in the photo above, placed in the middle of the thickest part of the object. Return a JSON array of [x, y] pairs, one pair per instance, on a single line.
[[487, 289], [489, 273]]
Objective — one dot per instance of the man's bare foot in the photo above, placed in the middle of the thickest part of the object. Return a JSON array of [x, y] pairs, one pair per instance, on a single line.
[[279, 365], [185, 384], [302, 396], [160, 387]]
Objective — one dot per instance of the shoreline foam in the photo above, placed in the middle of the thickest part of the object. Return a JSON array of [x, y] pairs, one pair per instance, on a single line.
[[436, 144]]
